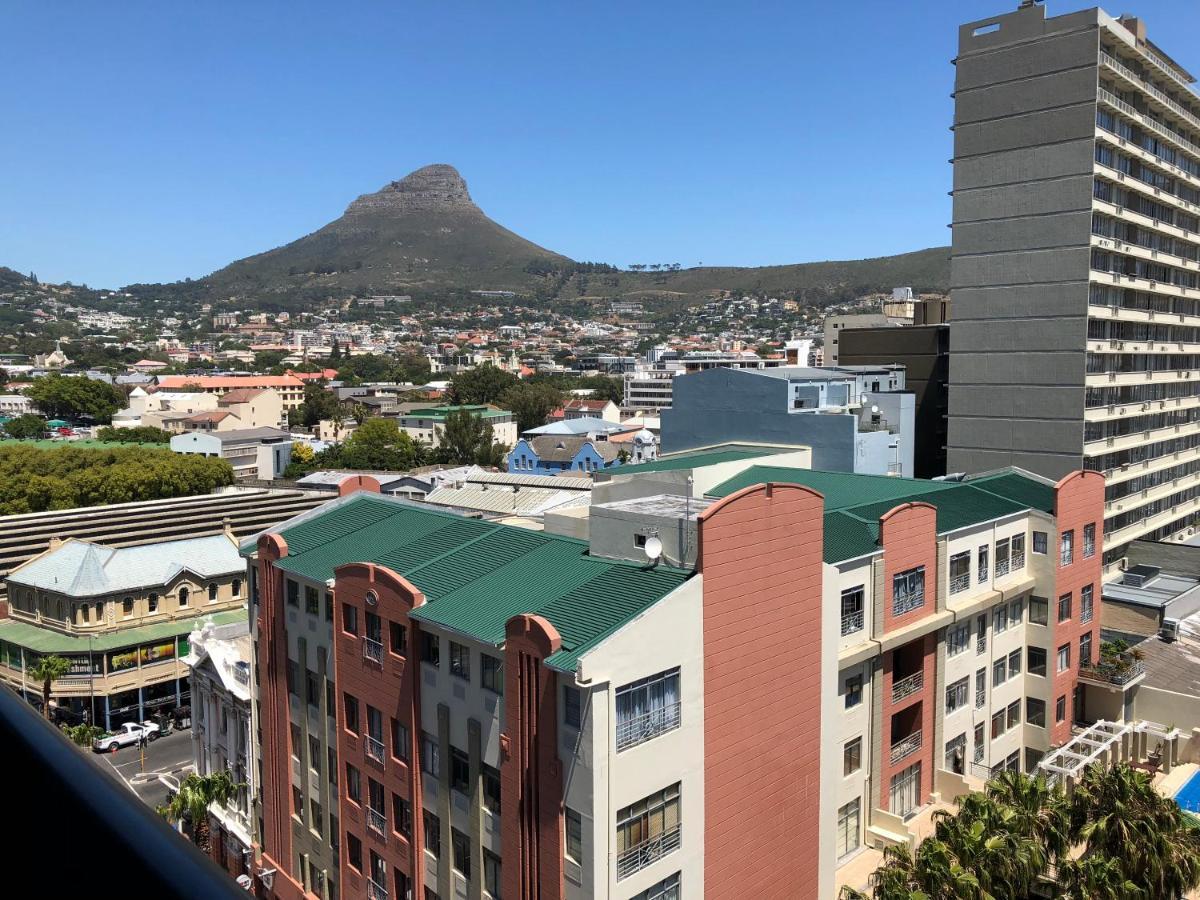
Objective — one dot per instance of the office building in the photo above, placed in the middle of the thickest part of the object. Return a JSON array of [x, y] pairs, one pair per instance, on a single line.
[[1076, 237]]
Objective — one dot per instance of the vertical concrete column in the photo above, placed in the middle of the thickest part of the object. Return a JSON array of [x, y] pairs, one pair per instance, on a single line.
[[107, 716], [445, 869], [475, 830], [141, 705], [878, 749]]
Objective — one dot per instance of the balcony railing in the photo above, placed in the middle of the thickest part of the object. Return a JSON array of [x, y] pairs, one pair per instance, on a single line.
[[638, 729], [374, 748], [373, 650], [960, 583], [1085, 614], [852, 622], [376, 891], [1118, 669], [906, 747], [1001, 567], [980, 698], [1018, 561], [648, 852], [376, 821], [906, 602], [907, 686]]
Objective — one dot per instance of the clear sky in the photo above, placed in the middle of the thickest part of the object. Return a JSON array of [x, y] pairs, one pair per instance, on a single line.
[[157, 141]]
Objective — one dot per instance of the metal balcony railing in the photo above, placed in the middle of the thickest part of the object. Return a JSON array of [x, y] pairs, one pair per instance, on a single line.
[[980, 698], [903, 603], [648, 851], [373, 650], [907, 686], [374, 748], [1018, 561], [1085, 614], [376, 891], [639, 729], [1001, 567], [906, 747], [852, 622], [1118, 669], [376, 821], [960, 583]]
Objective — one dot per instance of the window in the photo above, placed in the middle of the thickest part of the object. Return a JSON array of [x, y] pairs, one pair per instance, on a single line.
[[651, 823], [647, 708], [908, 591], [374, 733], [1089, 540], [980, 688], [184, 596], [956, 755], [317, 820], [431, 649], [1000, 619], [1064, 608], [997, 724], [399, 740], [957, 694], [960, 571], [852, 610], [378, 872], [1037, 661], [1014, 664], [1018, 551], [574, 831], [1066, 547], [151, 606], [460, 771], [1035, 712], [329, 607], [491, 873], [984, 566], [999, 671], [431, 756], [293, 593], [127, 608], [1038, 607], [297, 803], [236, 585], [980, 742], [571, 704], [353, 784], [1085, 650], [1039, 542], [957, 639], [375, 799], [491, 789], [354, 851], [333, 767], [350, 708], [349, 618], [312, 688], [433, 832], [981, 634], [461, 847], [849, 825], [1064, 657], [460, 661], [852, 757], [1016, 612], [290, 674], [374, 629], [399, 638], [1060, 709], [1002, 558], [854, 689], [314, 754], [312, 601], [1014, 714], [491, 673], [1086, 604]]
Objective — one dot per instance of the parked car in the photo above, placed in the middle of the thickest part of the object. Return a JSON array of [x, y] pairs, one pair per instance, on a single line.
[[127, 735]]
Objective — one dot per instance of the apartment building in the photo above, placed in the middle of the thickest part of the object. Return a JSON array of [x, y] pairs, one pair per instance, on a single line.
[[649, 389], [425, 424], [718, 697], [289, 387], [1074, 263]]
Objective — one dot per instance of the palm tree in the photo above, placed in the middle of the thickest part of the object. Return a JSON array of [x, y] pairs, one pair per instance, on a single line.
[[47, 670], [1040, 810], [1096, 878], [196, 793]]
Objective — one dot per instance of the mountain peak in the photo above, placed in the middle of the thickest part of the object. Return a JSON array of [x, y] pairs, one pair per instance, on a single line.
[[434, 187]]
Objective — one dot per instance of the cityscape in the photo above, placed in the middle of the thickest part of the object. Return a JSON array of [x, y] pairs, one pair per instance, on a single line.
[[414, 560]]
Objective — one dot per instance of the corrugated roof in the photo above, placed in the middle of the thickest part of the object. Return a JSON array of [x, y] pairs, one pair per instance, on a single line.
[[1018, 487], [512, 500], [855, 503], [695, 459], [477, 575], [44, 640]]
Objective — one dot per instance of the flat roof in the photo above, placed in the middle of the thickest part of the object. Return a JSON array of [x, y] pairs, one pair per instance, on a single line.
[[1157, 592], [45, 640], [706, 456]]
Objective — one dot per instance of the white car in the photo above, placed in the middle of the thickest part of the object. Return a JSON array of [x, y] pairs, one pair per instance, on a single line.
[[129, 734]]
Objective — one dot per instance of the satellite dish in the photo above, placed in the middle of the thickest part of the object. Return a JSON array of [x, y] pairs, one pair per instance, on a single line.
[[653, 548]]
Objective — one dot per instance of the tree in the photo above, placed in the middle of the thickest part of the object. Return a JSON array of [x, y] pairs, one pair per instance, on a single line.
[[191, 802], [604, 388], [531, 404], [467, 438], [82, 735], [482, 384], [380, 444], [268, 359], [47, 670], [302, 452], [142, 434], [318, 404], [335, 352], [26, 427], [75, 397]]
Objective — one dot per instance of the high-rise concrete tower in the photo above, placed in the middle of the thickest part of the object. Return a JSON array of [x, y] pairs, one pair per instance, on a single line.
[[1075, 267]]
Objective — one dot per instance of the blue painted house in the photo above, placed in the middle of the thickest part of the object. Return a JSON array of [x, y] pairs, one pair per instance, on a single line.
[[549, 454]]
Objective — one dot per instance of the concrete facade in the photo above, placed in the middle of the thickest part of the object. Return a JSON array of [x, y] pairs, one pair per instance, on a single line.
[[1076, 188]]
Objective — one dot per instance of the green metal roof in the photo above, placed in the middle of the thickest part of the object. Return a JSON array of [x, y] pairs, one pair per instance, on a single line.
[[695, 459], [45, 640], [441, 412], [477, 575], [855, 503]]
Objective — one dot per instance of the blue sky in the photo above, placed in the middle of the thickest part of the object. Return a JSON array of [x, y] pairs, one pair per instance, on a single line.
[[157, 141]]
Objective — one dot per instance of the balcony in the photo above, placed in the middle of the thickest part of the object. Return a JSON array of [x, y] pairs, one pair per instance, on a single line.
[[1002, 568], [373, 650], [376, 891], [376, 822], [907, 686], [1018, 562], [648, 852], [1085, 614], [905, 747], [1114, 670], [980, 697], [375, 749], [960, 583], [852, 622], [639, 729]]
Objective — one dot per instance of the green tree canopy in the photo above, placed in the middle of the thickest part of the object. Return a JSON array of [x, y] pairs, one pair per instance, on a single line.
[[467, 438], [318, 404], [75, 397], [196, 793], [26, 427], [47, 670], [380, 444], [142, 434], [483, 384], [531, 404], [268, 359]]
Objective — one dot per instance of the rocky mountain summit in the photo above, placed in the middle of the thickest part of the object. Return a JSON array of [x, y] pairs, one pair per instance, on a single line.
[[436, 187]]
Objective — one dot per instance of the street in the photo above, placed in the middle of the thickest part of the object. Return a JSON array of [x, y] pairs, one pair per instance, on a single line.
[[168, 760]]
